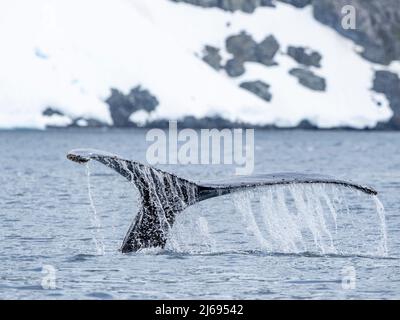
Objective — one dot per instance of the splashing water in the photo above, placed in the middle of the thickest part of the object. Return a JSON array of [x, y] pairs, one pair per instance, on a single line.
[[311, 218], [316, 219], [191, 234], [98, 237], [381, 213], [299, 218]]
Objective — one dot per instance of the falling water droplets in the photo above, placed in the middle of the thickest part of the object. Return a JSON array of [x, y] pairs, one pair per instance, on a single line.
[[98, 237], [382, 249], [313, 218], [298, 218], [242, 202]]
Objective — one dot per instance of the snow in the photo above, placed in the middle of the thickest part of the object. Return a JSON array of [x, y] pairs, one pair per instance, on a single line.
[[57, 121], [139, 117], [82, 123], [67, 54]]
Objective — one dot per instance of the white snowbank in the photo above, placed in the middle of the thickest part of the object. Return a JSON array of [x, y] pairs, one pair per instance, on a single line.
[[67, 54]]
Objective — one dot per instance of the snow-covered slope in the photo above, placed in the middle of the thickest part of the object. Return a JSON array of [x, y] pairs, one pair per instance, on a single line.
[[67, 54]]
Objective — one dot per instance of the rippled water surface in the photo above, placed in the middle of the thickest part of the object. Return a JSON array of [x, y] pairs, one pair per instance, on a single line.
[[306, 242]]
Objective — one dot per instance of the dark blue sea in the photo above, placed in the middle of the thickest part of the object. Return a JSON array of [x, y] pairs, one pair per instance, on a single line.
[[317, 242]]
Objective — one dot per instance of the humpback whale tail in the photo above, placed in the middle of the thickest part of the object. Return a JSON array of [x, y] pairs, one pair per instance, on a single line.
[[164, 195]]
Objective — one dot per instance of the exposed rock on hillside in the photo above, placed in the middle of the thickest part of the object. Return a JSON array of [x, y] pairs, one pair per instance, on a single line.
[[297, 3], [49, 112], [212, 57], [377, 25], [305, 56], [234, 68], [377, 22], [122, 106], [259, 88], [266, 50], [242, 46], [308, 79], [245, 49], [231, 5], [388, 83]]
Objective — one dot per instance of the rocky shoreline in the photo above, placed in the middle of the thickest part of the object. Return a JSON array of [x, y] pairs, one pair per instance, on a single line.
[[211, 123]]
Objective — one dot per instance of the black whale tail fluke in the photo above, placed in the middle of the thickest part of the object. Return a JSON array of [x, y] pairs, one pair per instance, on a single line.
[[163, 195]]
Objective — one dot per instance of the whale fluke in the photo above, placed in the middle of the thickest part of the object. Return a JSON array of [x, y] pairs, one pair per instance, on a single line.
[[163, 195]]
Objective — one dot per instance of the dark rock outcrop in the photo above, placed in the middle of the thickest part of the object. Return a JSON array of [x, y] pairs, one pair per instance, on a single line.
[[305, 56], [308, 79], [75, 122], [142, 99], [245, 49], [219, 122], [122, 106], [200, 123], [306, 125], [377, 22], [377, 25], [212, 57], [234, 68], [259, 88], [388, 83], [231, 5], [298, 3], [266, 50], [242, 47], [50, 111]]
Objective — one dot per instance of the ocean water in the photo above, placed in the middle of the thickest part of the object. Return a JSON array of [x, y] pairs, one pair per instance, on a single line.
[[60, 234]]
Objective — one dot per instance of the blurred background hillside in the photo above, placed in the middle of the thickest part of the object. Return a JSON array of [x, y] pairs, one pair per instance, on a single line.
[[207, 63]]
